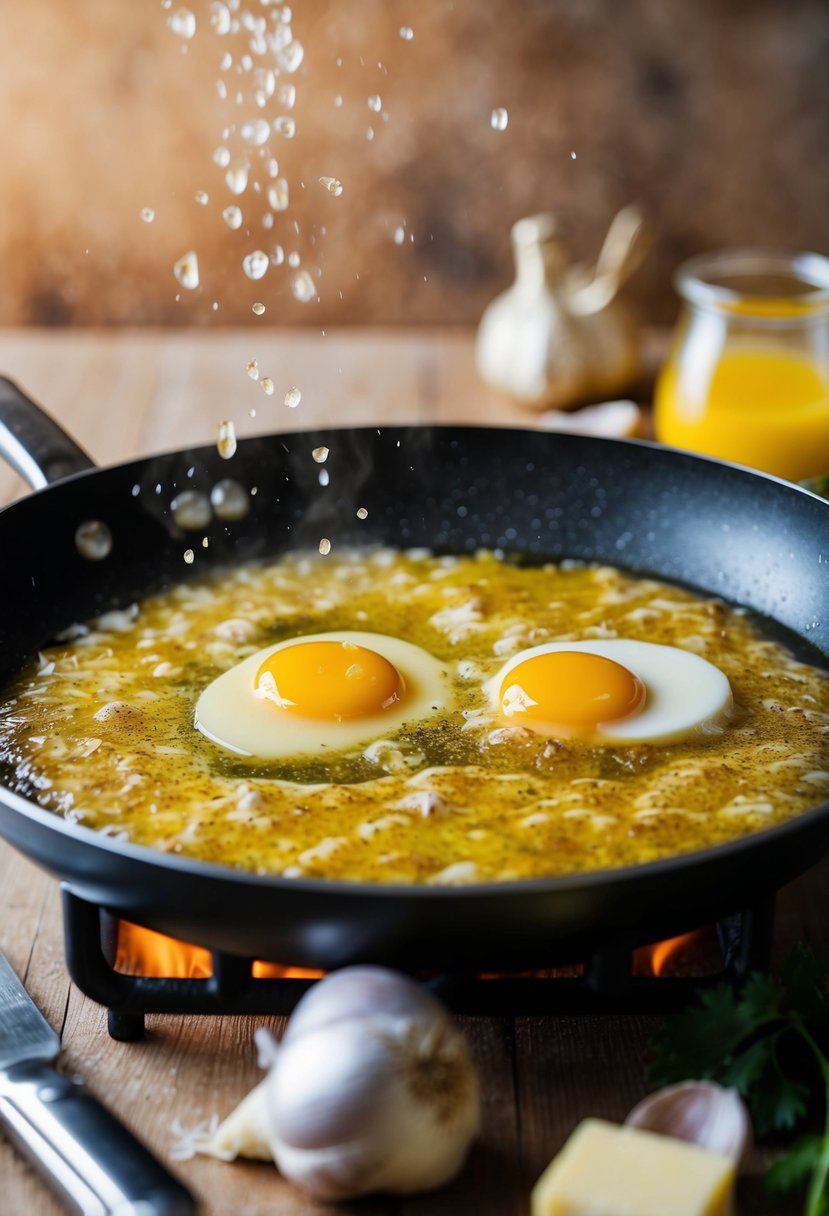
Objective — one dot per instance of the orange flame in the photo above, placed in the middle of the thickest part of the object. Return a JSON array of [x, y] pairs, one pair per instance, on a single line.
[[669, 955], [144, 952]]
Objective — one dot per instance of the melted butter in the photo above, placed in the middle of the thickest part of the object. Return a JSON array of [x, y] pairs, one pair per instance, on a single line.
[[101, 729]]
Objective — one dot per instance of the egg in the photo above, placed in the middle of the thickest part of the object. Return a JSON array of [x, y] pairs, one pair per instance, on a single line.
[[323, 692], [612, 691]]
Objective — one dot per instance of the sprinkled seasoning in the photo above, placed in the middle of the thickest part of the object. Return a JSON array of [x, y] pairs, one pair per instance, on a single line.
[[302, 287], [202, 198], [293, 398], [375, 103], [230, 500], [256, 264], [498, 119], [267, 385], [332, 186], [93, 540], [362, 513], [226, 444], [232, 216], [325, 546], [191, 510], [320, 455], [186, 270], [189, 556], [406, 33], [252, 369], [285, 126], [237, 177], [182, 22], [147, 215], [258, 309]]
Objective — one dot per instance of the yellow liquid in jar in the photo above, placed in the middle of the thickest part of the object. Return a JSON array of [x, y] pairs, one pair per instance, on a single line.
[[762, 407]]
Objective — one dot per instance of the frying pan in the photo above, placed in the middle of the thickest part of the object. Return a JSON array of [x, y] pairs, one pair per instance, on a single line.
[[748, 538]]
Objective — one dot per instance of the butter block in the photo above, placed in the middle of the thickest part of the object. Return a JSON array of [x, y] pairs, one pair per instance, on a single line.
[[606, 1170]]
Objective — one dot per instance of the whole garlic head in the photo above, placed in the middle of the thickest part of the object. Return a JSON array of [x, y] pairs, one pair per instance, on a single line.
[[371, 1089], [698, 1111]]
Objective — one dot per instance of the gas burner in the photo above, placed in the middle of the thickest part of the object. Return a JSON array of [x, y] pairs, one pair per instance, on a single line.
[[618, 977]]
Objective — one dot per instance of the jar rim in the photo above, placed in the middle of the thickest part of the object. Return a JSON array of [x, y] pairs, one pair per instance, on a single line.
[[704, 280]]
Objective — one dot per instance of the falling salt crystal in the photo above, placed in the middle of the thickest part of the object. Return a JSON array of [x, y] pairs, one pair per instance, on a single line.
[[286, 96], [221, 157], [226, 62], [237, 176], [293, 398], [362, 513], [256, 132], [220, 18], [369, 134], [499, 119], [320, 455], [278, 195], [572, 156], [186, 270], [226, 445], [93, 540], [258, 308], [406, 33], [302, 287], [285, 126], [251, 413], [232, 216], [189, 556], [267, 220], [221, 90], [291, 56], [323, 477], [332, 186], [399, 236], [202, 198], [267, 385], [191, 510], [338, 101], [256, 264], [294, 260], [325, 546], [273, 167], [182, 22], [375, 103], [246, 63], [230, 500], [278, 255], [147, 215], [252, 369], [205, 541]]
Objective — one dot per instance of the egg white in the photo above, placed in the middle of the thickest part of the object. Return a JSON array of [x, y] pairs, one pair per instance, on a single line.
[[230, 713], [685, 693]]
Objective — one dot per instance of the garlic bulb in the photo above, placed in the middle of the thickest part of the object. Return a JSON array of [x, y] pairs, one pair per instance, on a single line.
[[370, 1089], [698, 1111]]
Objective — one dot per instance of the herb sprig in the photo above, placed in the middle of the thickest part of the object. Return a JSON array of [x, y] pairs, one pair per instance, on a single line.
[[748, 1039]]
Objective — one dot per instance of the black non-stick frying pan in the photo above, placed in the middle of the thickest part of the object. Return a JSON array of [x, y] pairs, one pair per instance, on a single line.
[[748, 538]]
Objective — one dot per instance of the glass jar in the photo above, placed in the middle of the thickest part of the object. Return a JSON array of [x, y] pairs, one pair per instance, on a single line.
[[747, 378]]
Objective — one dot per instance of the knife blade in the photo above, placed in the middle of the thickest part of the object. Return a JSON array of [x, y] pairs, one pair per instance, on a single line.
[[90, 1159]]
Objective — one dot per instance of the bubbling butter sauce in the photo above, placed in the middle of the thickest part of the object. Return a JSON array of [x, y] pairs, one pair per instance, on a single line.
[[99, 728]]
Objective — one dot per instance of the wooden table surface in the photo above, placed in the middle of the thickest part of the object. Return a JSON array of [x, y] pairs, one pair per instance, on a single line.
[[124, 394]]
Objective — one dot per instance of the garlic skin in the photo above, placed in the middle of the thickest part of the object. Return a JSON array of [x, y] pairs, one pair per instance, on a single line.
[[700, 1112], [371, 1089]]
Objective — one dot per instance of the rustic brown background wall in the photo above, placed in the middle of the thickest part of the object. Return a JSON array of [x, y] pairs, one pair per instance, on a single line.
[[714, 115]]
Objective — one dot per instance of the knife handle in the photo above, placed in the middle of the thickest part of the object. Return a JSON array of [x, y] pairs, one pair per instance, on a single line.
[[90, 1159]]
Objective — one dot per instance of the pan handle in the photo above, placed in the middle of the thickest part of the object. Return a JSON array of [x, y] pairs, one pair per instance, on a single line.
[[32, 443]]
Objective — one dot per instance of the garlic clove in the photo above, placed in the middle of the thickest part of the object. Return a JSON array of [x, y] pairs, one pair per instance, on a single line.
[[700, 1112], [245, 1132]]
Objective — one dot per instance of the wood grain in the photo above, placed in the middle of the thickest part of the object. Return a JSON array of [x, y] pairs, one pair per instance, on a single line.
[[126, 394]]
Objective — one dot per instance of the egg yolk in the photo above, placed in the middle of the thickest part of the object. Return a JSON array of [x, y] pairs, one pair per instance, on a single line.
[[329, 680], [571, 692]]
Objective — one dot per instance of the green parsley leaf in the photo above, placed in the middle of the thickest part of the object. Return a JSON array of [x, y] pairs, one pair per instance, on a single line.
[[791, 1172]]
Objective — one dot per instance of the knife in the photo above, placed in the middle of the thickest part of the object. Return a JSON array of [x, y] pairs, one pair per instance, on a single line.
[[90, 1159]]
